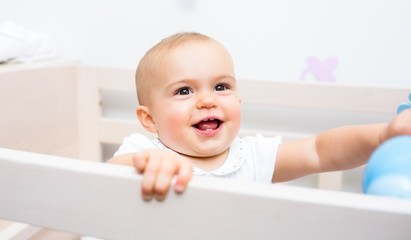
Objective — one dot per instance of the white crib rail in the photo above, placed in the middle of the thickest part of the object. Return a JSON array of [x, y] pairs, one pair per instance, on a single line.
[[104, 200]]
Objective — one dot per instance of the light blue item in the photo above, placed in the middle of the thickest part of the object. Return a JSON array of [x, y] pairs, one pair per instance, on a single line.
[[405, 105], [388, 171]]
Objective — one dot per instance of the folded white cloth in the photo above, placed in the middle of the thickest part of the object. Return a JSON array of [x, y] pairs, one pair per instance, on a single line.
[[18, 44]]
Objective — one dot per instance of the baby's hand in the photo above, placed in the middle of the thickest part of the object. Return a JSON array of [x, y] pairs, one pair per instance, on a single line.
[[400, 125], [158, 168]]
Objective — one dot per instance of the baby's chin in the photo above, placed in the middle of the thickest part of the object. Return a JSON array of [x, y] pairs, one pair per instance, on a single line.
[[206, 154], [204, 151]]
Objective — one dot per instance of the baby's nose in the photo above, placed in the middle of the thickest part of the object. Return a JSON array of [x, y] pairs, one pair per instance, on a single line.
[[206, 100]]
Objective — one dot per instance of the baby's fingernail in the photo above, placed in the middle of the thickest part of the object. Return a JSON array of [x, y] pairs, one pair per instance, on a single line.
[[178, 188], [160, 197], [147, 197]]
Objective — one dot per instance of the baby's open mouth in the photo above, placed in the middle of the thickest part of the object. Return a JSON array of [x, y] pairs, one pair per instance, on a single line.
[[208, 124]]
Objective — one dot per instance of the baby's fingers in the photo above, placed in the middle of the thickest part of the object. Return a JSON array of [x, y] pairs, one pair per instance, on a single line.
[[140, 161], [401, 125], [149, 178], [166, 173], [184, 175]]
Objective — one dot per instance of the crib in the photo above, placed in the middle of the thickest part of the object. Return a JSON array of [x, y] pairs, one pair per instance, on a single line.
[[62, 119]]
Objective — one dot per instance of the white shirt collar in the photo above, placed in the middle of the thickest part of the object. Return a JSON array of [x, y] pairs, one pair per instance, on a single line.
[[234, 161]]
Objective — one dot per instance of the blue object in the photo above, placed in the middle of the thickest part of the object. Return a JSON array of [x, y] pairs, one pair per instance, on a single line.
[[402, 107], [388, 171], [405, 105]]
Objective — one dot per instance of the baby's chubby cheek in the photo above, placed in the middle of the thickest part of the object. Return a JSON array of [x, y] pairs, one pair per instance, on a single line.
[[176, 122]]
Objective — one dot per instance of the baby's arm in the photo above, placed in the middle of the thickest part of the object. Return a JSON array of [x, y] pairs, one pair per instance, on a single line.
[[158, 168], [336, 149]]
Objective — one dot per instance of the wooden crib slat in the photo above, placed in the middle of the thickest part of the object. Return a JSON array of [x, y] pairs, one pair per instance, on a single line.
[[104, 200], [333, 97]]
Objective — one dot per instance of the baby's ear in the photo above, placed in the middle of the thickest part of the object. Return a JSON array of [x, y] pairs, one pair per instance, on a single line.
[[145, 118]]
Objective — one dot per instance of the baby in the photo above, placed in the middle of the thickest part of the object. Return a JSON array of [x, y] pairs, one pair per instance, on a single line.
[[187, 94]]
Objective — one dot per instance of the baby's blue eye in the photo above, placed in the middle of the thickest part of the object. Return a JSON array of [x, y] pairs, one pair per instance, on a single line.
[[221, 87], [183, 91]]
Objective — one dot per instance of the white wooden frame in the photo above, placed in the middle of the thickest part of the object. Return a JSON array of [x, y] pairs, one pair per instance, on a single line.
[[80, 130], [104, 200]]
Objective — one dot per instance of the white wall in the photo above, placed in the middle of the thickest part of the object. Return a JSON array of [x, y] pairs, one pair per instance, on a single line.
[[269, 39]]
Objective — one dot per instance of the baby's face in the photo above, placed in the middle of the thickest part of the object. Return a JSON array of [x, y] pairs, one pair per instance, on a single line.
[[194, 104]]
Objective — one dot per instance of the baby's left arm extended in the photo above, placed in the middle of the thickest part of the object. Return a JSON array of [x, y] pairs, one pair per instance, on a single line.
[[336, 149]]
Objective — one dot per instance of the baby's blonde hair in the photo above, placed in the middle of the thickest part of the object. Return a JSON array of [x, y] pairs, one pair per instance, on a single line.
[[149, 64]]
